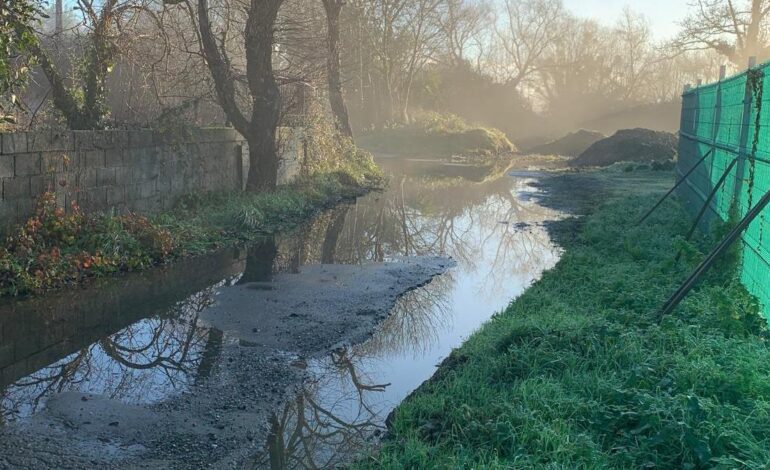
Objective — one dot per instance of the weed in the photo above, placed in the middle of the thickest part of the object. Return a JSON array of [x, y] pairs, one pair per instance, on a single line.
[[56, 248]]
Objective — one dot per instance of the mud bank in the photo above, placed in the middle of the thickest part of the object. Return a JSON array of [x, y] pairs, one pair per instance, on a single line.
[[269, 328]]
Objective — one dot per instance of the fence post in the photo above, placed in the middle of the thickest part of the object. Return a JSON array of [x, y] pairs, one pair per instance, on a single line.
[[726, 243], [710, 198], [752, 61], [722, 72], [678, 183]]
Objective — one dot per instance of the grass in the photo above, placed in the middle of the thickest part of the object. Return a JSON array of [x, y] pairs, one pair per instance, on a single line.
[[437, 135], [54, 248], [577, 373]]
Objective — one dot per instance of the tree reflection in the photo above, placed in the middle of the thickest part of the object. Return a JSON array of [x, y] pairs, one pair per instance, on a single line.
[[484, 226], [340, 410], [328, 422], [260, 261], [140, 363], [496, 239], [415, 323]]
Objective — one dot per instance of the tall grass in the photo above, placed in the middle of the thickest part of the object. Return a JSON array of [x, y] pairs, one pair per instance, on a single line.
[[577, 373]]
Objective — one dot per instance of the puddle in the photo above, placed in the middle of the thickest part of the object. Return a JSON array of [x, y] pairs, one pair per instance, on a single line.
[[138, 339], [493, 230]]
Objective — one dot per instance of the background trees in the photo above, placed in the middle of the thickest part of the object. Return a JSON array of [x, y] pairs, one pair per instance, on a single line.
[[17, 36], [735, 29], [526, 66], [334, 65]]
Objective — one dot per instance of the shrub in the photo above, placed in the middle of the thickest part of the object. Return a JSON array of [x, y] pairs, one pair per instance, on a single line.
[[435, 134]]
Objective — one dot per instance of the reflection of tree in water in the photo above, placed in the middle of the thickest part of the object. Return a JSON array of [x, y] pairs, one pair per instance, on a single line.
[[336, 415], [341, 409], [415, 322], [140, 363], [260, 261], [313, 242], [477, 224], [328, 422]]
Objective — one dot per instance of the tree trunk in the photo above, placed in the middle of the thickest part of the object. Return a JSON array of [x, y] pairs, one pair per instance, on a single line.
[[260, 128], [752, 32], [263, 161], [333, 66], [266, 111], [62, 99]]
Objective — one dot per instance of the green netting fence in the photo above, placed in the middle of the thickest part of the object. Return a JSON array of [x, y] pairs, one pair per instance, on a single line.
[[731, 118]]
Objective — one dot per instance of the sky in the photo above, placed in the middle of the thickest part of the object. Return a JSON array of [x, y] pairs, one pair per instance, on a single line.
[[664, 15]]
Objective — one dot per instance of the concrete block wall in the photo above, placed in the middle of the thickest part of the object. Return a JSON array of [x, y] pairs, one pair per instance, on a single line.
[[122, 170]]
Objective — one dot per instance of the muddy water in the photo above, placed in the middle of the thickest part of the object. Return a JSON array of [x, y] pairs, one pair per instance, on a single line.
[[139, 339]]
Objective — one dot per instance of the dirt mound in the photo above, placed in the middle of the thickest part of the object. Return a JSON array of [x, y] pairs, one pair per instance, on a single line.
[[630, 145], [571, 145]]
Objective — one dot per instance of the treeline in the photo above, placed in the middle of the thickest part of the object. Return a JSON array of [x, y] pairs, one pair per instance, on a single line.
[[523, 66]]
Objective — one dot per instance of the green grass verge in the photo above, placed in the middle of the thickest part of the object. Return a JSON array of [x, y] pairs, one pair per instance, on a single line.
[[55, 248], [577, 373], [437, 135]]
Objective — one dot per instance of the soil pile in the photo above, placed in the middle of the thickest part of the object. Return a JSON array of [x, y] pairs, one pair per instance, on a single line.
[[571, 145], [630, 145]]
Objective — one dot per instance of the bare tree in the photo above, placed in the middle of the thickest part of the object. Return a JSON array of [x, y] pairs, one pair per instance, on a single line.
[[103, 25], [260, 127], [462, 25], [423, 33], [333, 65], [736, 29], [635, 55], [528, 28]]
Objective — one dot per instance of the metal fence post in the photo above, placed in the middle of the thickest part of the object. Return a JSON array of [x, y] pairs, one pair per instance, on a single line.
[[678, 183], [723, 246]]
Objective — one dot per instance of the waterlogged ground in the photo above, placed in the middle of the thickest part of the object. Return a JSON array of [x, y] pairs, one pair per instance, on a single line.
[[222, 361]]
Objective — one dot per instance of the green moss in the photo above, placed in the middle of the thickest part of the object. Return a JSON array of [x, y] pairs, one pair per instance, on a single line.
[[577, 373], [432, 134]]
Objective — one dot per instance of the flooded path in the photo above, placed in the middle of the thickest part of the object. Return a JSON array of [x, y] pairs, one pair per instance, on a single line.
[[141, 341]]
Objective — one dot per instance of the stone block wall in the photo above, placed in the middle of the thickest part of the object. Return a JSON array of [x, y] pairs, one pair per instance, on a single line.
[[121, 170]]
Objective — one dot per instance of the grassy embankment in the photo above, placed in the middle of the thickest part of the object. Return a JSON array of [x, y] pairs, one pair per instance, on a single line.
[[437, 135], [54, 249], [578, 372]]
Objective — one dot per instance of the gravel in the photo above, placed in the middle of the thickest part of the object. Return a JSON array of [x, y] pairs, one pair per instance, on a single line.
[[223, 421]]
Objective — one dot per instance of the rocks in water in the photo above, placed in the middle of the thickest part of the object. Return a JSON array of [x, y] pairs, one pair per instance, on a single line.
[[630, 145], [571, 145]]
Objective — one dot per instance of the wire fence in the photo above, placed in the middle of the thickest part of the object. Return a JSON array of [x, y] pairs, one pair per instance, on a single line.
[[731, 119]]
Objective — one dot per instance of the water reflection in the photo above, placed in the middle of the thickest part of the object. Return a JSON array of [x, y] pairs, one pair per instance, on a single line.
[[500, 245], [260, 261], [132, 338], [316, 430], [485, 227], [342, 407], [142, 363], [139, 340]]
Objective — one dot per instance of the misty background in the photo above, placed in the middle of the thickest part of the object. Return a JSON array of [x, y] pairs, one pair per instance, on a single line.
[[536, 69]]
